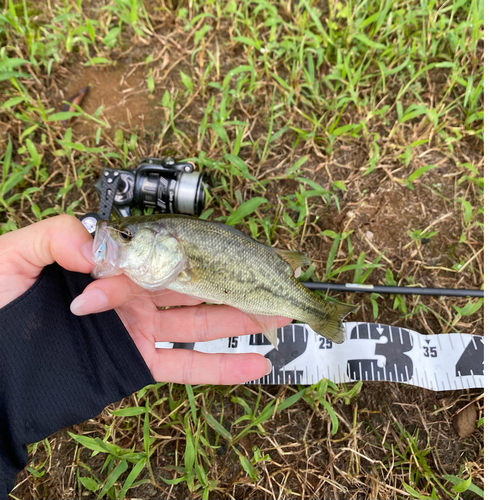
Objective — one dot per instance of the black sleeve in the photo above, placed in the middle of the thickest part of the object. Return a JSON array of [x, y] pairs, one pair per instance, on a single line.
[[57, 369]]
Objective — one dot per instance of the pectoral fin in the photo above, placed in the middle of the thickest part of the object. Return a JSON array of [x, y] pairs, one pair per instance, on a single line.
[[267, 325], [294, 259]]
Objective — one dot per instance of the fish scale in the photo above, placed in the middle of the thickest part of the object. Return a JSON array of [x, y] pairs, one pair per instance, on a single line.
[[266, 271], [216, 263]]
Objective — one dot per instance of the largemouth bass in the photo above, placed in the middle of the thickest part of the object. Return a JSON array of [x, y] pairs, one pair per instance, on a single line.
[[216, 263]]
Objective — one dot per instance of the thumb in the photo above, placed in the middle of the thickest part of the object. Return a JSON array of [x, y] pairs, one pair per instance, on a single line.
[[62, 239]]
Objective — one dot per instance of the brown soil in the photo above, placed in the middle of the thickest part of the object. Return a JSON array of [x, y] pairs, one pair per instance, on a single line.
[[123, 92]]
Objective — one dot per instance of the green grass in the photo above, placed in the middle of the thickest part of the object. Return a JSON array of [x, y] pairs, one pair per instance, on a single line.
[[306, 116]]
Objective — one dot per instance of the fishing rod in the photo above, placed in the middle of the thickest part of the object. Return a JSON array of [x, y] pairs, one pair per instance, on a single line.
[[399, 290]]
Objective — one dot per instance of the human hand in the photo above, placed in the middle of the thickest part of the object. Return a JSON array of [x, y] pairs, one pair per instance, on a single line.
[[25, 252], [65, 240]]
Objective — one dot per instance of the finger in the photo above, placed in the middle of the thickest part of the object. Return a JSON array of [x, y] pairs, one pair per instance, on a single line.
[[204, 322], [193, 367], [61, 239], [168, 298], [106, 294]]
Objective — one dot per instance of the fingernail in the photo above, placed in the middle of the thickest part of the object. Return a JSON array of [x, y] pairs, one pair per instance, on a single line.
[[269, 363], [89, 302], [87, 251]]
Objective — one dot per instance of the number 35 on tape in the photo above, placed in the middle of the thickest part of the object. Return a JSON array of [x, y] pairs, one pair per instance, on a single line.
[[371, 352]]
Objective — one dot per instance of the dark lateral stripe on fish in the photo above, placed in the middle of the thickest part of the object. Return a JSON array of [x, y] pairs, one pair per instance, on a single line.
[[283, 294]]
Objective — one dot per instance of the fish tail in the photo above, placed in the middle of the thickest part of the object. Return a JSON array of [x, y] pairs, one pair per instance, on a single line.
[[330, 325]]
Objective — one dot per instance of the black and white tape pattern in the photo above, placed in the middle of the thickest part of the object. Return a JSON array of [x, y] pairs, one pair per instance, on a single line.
[[371, 352]]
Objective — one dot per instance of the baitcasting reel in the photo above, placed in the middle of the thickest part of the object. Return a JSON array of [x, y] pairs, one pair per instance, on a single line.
[[165, 185]]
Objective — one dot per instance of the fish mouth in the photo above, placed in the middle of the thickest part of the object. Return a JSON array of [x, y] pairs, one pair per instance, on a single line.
[[105, 253]]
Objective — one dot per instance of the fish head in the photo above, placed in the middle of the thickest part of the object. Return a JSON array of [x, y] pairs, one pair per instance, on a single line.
[[145, 252]]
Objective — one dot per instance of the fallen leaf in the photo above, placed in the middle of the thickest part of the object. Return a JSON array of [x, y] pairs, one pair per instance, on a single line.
[[465, 421], [75, 99], [166, 60]]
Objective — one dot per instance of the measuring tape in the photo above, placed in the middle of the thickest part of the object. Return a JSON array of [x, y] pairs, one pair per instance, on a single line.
[[371, 352]]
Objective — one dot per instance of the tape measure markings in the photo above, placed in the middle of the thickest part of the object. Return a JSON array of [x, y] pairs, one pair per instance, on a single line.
[[371, 352], [436, 381], [439, 345], [451, 343]]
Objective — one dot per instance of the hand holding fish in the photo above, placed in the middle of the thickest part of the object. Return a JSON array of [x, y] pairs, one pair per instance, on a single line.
[[63, 239], [215, 263]]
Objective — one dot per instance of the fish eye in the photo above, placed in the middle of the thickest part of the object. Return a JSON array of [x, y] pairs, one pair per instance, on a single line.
[[125, 234]]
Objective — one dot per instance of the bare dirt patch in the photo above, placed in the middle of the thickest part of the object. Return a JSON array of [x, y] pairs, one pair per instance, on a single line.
[[123, 92]]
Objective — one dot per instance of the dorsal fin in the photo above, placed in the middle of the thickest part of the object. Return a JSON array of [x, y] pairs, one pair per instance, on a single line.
[[294, 259]]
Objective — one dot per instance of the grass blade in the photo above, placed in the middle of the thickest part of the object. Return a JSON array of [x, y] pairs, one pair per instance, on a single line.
[[218, 427], [247, 208]]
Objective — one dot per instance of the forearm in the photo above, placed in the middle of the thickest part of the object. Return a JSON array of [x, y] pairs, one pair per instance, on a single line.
[[57, 369]]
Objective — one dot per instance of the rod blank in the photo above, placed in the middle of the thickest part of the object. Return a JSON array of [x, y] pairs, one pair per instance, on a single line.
[[400, 290]]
